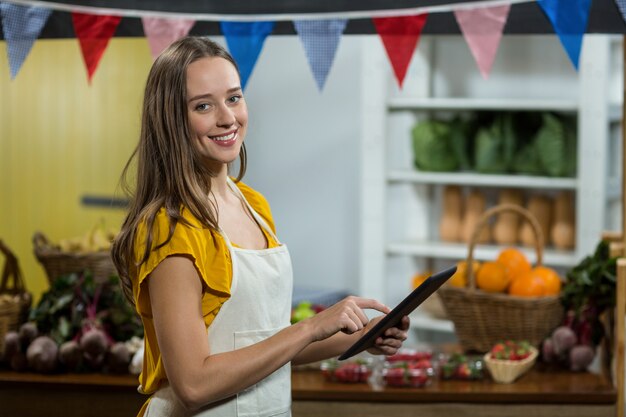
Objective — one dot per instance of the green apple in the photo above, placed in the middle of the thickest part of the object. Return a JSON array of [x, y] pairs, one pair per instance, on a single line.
[[302, 311]]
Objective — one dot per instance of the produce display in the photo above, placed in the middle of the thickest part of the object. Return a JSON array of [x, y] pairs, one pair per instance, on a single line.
[[409, 368], [510, 359], [513, 274], [528, 143], [78, 325], [461, 366], [353, 371], [95, 240], [304, 310], [589, 290]]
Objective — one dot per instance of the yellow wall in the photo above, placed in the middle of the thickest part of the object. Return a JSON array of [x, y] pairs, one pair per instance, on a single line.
[[61, 138]]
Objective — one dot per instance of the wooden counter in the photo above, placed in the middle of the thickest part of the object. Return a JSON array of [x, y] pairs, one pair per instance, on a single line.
[[536, 394]]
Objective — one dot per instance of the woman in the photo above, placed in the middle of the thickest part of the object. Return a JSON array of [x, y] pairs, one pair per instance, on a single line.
[[199, 258]]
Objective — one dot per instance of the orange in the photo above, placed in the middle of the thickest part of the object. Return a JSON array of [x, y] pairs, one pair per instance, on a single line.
[[515, 261], [459, 279], [551, 278], [529, 284], [419, 278], [492, 277]]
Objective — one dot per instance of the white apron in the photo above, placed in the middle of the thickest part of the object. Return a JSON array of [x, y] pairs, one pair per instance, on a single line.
[[258, 307]]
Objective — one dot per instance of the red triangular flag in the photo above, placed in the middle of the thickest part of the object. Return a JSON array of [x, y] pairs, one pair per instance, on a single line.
[[93, 33], [400, 36]]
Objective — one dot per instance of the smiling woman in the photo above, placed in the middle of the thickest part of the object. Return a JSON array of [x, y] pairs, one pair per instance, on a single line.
[[199, 258]]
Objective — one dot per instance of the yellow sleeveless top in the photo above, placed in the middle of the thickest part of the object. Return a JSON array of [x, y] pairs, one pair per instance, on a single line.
[[211, 258]]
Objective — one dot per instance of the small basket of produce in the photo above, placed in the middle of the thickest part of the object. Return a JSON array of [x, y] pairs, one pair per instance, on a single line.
[[15, 300], [510, 359], [76, 255], [506, 298]]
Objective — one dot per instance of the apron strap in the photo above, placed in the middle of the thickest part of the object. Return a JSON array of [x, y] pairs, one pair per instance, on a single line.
[[256, 215]]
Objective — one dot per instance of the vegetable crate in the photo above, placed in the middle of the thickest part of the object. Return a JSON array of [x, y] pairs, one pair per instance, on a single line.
[[481, 319], [57, 263]]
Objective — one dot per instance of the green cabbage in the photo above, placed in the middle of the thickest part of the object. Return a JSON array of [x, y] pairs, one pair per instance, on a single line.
[[432, 147]]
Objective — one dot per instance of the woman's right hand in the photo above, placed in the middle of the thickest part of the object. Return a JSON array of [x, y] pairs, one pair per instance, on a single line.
[[346, 316]]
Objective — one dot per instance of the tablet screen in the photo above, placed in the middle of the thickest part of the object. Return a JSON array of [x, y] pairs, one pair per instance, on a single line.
[[404, 308]]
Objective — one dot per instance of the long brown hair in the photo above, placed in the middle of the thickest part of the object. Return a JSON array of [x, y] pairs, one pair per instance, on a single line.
[[169, 171]]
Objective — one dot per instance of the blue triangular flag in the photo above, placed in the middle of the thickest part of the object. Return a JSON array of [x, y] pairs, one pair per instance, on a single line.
[[21, 26], [245, 41], [320, 39], [569, 19], [622, 7]]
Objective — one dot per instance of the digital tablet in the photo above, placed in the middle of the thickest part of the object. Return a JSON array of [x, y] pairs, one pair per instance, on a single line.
[[404, 308]]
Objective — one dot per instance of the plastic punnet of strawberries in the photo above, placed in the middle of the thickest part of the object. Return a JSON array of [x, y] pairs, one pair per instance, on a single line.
[[511, 350], [354, 371]]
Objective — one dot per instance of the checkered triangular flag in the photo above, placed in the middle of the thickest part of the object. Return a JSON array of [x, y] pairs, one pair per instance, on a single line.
[[622, 7], [21, 26], [320, 39]]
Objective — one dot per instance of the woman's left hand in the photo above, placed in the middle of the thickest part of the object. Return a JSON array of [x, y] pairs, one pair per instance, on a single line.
[[391, 340]]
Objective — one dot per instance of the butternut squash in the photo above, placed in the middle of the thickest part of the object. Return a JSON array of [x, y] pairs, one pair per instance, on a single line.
[[541, 207], [506, 227], [451, 216], [563, 232], [475, 206]]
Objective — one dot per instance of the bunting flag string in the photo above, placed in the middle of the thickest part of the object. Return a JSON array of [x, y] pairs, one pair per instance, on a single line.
[[569, 19], [162, 32], [482, 29], [320, 39], [621, 4], [482, 24], [245, 41], [21, 26], [93, 33], [400, 36]]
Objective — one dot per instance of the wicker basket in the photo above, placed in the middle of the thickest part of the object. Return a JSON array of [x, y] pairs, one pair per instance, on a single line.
[[507, 371], [481, 319], [9, 316], [15, 299], [57, 262]]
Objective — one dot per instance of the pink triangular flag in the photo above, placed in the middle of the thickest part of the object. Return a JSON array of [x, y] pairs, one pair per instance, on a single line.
[[400, 36], [482, 28], [162, 32], [93, 33]]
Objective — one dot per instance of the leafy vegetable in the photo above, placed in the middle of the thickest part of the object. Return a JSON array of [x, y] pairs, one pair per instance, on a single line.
[[591, 282], [551, 145], [432, 148], [75, 303], [495, 146]]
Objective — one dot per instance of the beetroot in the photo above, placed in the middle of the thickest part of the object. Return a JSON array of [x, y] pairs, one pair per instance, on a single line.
[[547, 350], [564, 339], [580, 357], [118, 358], [94, 343], [28, 332], [70, 355], [42, 354], [11, 346]]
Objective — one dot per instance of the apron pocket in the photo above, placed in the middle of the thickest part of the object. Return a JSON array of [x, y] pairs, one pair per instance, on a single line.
[[270, 396]]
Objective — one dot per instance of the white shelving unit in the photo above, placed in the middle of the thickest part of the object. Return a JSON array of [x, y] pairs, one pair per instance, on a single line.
[[400, 205]]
